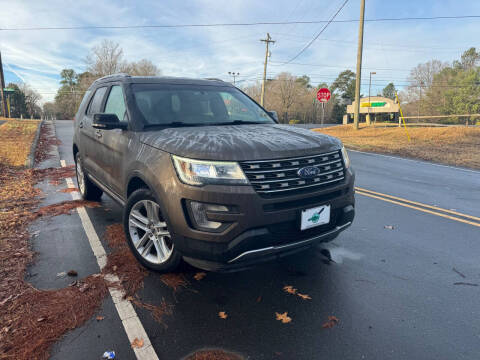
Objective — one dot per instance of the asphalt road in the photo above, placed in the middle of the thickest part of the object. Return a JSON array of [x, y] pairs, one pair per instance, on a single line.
[[391, 285]]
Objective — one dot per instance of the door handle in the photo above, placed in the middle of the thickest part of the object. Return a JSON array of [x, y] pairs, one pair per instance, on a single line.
[[80, 125], [98, 133]]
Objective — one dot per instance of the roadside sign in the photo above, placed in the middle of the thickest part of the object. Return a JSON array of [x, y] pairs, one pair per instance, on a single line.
[[323, 95]]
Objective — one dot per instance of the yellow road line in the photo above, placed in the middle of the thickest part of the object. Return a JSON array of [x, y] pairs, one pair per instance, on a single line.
[[418, 208], [419, 204]]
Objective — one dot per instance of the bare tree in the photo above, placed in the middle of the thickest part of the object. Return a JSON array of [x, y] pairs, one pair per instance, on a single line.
[[143, 67], [32, 99], [105, 59], [286, 89]]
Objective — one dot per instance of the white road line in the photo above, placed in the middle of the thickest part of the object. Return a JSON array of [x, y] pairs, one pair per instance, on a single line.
[[130, 321], [417, 161]]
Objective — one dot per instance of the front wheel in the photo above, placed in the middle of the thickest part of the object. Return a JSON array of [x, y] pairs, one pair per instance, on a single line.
[[147, 233]]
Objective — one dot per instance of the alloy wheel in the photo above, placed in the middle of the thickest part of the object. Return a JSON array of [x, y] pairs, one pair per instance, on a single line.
[[149, 232]]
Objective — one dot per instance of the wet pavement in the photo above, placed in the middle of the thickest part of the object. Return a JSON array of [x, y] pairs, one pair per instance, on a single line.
[[389, 280]]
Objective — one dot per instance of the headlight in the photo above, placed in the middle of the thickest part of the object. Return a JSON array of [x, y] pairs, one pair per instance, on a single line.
[[199, 172], [346, 159]]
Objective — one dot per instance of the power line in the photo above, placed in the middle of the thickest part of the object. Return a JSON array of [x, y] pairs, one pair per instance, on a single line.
[[154, 26], [319, 33]]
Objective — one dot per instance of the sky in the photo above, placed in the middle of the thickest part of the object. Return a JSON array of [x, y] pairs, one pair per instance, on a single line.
[[391, 48]]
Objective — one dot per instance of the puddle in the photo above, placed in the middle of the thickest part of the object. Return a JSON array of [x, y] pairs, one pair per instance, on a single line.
[[338, 254]]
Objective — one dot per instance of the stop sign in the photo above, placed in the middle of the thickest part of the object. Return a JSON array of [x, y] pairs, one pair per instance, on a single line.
[[323, 95]]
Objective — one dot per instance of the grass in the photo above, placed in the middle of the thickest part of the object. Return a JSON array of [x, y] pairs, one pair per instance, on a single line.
[[16, 138], [458, 146]]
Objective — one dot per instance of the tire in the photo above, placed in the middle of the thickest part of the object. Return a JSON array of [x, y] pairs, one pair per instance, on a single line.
[[87, 188], [147, 233]]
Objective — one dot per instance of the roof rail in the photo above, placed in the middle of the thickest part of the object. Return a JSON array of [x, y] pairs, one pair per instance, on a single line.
[[214, 79], [113, 76]]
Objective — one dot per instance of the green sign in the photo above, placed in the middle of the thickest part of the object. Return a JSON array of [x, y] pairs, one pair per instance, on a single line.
[[8, 90]]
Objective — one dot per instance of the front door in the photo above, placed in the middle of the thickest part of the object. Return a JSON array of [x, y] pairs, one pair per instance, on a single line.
[[114, 142], [89, 136]]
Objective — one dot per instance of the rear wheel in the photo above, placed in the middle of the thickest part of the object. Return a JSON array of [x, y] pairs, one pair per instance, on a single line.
[[88, 189], [148, 234]]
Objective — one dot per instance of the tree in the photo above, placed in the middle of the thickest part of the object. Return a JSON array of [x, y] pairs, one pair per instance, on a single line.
[[389, 91], [32, 99], [18, 107], [49, 110], [286, 89], [68, 96], [105, 59], [344, 85], [469, 60], [304, 81], [142, 68]]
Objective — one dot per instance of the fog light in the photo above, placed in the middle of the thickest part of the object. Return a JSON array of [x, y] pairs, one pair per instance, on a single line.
[[199, 212]]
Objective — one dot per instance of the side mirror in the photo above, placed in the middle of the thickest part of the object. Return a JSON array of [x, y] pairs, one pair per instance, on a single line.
[[107, 122], [274, 115]]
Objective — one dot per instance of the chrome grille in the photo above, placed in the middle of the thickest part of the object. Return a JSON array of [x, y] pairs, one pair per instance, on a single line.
[[280, 175]]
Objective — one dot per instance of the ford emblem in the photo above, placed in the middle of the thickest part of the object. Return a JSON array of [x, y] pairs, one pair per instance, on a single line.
[[308, 172]]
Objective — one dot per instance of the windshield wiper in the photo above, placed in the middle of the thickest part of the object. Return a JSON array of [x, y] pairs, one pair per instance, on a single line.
[[172, 124], [243, 122]]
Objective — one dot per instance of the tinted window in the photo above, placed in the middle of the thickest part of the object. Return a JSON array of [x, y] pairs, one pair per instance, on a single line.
[[116, 103], [96, 102], [195, 104]]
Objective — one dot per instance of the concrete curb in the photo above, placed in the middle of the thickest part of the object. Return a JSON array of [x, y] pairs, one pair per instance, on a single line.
[[30, 162]]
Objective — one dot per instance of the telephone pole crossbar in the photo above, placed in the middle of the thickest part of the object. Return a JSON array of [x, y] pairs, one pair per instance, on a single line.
[[267, 41]]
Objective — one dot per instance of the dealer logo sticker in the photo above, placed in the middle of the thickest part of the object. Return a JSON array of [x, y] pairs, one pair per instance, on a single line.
[[314, 219]]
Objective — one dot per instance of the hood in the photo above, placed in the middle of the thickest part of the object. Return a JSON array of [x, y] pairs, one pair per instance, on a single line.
[[240, 142]]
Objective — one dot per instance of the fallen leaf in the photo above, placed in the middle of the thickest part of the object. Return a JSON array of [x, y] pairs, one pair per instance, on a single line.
[[137, 343], [289, 289], [72, 273], [199, 276], [332, 321], [333, 318], [114, 267], [389, 227], [100, 318], [284, 318], [129, 298], [40, 319], [222, 315], [304, 296], [259, 299]]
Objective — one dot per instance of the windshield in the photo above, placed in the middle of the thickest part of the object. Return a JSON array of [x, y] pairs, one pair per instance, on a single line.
[[196, 105]]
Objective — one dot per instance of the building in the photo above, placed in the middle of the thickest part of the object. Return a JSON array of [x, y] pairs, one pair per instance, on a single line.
[[370, 106]]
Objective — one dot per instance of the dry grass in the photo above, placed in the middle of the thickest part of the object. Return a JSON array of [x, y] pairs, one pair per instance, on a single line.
[[458, 146], [16, 139], [31, 320]]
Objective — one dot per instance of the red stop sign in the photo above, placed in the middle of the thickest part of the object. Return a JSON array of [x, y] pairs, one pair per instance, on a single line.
[[323, 95]]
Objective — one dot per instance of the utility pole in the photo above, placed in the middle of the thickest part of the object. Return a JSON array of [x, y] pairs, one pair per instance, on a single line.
[[359, 66], [234, 74], [267, 41], [2, 86]]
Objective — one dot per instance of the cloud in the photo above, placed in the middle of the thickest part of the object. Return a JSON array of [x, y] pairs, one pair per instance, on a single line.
[[391, 48]]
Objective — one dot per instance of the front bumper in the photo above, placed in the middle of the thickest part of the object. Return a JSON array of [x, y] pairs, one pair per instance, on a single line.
[[259, 229], [275, 251]]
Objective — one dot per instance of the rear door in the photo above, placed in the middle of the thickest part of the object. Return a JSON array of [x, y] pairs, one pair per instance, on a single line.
[[115, 142], [90, 136]]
